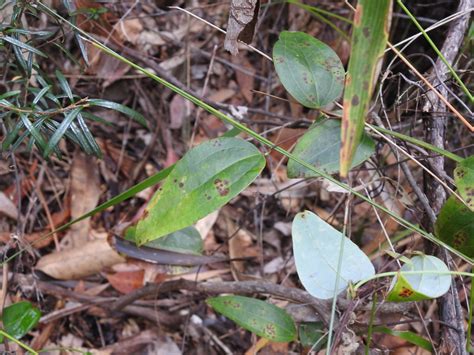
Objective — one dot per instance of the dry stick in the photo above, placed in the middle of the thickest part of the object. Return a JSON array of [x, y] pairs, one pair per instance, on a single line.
[[431, 87], [452, 340], [243, 287]]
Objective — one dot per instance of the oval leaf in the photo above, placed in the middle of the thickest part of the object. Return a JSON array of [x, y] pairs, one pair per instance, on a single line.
[[417, 287], [19, 318], [308, 69], [187, 241], [206, 178], [259, 317], [455, 226], [316, 247], [319, 146], [464, 178]]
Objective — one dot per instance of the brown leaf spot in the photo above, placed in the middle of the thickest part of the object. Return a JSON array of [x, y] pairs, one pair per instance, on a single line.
[[270, 330], [355, 100], [460, 172], [180, 185], [222, 186], [459, 239], [279, 60], [405, 292], [358, 15], [366, 32], [365, 85]]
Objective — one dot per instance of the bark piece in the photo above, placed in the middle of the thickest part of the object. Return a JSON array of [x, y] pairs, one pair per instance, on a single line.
[[242, 20]]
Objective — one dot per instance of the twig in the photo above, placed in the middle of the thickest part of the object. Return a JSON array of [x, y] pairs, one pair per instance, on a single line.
[[244, 287]]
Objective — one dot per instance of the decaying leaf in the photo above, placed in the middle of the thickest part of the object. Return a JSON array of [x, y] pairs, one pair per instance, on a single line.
[[85, 192], [243, 17], [79, 262]]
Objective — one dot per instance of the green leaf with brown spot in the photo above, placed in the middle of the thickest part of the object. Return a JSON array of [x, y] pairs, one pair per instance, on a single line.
[[205, 179], [369, 38], [308, 69], [455, 226], [420, 286], [259, 317], [319, 146], [464, 178]]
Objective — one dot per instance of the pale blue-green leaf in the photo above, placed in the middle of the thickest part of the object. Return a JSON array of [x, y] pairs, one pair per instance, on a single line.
[[317, 248], [415, 287], [320, 145]]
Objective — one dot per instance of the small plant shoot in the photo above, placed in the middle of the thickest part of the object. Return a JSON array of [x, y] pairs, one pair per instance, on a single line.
[[317, 248], [256, 316]]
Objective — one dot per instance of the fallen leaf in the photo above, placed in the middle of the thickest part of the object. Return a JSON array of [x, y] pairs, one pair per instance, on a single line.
[[127, 281], [85, 260], [7, 207], [85, 193]]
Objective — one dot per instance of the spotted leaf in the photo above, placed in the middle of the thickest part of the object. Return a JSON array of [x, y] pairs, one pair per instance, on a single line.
[[434, 283], [259, 317], [206, 178], [308, 69]]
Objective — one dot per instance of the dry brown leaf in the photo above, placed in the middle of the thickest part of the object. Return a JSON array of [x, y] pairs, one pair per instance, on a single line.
[[177, 112], [85, 192], [245, 81], [204, 225], [7, 207], [126, 282], [82, 261]]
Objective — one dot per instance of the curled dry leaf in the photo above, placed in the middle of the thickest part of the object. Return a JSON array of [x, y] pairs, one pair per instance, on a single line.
[[242, 20]]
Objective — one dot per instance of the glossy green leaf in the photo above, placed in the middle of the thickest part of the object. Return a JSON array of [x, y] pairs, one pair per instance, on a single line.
[[464, 178], [420, 286], [19, 318], [187, 241], [408, 336], [455, 226], [206, 178], [369, 38], [120, 108], [319, 146], [259, 317], [316, 247], [308, 69]]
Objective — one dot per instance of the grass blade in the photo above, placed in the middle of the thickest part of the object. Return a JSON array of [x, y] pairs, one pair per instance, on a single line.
[[369, 38]]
